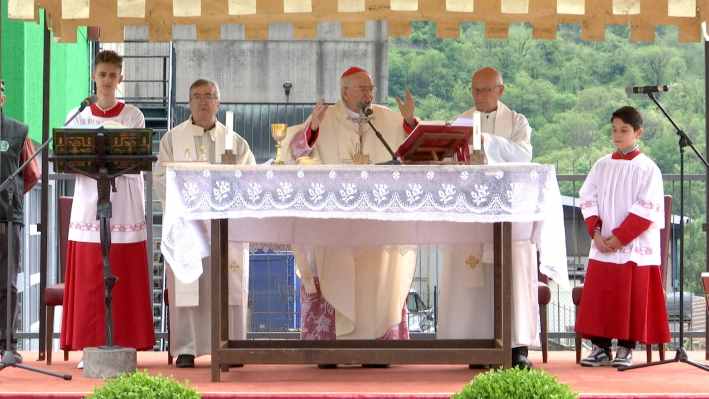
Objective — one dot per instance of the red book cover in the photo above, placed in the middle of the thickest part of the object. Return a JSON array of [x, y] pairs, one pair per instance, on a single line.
[[434, 142]]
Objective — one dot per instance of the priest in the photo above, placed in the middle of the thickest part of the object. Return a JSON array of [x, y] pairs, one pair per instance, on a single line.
[[202, 138], [353, 292], [466, 279]]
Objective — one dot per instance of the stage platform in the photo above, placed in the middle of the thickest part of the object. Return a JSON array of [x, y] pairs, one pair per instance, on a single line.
[[399, 381]]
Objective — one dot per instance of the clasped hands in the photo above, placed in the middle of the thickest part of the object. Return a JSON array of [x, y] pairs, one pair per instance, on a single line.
[[607, 244]]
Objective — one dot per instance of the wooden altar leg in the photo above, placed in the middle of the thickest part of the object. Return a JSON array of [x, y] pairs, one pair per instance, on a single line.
[[218, 264], [502, 239], [507, 293]]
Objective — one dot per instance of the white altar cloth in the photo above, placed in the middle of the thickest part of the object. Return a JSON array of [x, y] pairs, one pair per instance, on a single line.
[[357, 205]]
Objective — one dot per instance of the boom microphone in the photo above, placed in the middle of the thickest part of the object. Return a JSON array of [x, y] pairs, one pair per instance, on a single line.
[[646, 89]]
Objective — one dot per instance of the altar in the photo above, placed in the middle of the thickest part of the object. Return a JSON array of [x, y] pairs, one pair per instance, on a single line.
[[358, 205]]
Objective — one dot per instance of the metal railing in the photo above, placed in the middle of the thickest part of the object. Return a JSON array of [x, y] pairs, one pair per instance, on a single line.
[[561, 311]]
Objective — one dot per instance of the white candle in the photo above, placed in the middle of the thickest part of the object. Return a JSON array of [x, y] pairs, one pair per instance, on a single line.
[[477, 131], [228, 139]]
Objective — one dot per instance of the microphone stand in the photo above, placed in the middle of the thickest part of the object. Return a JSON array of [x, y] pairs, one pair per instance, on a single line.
[[684, 141], [367, 112], [9, 359]]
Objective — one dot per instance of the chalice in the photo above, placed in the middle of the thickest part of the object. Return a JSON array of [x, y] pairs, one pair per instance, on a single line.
[[278, 132]]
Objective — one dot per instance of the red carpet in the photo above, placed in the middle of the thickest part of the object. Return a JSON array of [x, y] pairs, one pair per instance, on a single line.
[[397, 382]]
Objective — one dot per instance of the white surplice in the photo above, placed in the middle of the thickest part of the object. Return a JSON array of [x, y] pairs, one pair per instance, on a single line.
[[367, 286], [466, 279], [127, 202], [614, 188], [190, 312]]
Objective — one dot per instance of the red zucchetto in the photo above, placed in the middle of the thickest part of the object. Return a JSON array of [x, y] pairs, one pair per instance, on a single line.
[[353, 70]]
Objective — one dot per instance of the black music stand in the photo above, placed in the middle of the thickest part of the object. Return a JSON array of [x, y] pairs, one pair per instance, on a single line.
[[103, 154]]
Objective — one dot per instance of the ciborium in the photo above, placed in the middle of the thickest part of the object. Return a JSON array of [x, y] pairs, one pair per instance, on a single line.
[[278, 132]]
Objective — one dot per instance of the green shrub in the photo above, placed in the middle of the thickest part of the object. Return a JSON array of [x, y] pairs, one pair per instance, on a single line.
[[141, 385], [515, 383]]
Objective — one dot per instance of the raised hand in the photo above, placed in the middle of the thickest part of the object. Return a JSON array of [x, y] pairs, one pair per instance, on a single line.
[[407, 108], [318, 114]]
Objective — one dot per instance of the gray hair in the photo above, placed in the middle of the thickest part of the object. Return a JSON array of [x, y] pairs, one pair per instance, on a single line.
[[205, 82]]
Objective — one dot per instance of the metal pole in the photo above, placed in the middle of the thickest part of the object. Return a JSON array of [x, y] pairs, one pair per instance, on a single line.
[[706, 171], [3, 7], [44, 217]]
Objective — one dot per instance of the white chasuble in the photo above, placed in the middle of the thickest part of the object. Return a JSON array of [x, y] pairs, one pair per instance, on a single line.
[[188, 142], [366, 286], [466, 277]]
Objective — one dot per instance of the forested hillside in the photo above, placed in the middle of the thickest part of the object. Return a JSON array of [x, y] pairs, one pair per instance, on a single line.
[[568, 89]]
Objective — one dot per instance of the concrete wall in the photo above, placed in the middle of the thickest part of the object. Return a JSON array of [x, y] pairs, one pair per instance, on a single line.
[[254, 71]]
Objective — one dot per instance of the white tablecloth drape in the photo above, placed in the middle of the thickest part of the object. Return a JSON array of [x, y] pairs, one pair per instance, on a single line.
[[355, 205]]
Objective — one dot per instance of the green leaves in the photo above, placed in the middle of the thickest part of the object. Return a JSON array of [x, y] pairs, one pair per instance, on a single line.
[[568, 88], [141, 385], [515, 383]]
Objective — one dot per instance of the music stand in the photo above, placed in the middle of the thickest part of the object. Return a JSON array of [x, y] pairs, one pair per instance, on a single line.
[[432, 142], [103, 154]]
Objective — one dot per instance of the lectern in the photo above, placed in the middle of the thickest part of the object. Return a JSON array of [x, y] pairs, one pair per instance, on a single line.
[[103, 154]]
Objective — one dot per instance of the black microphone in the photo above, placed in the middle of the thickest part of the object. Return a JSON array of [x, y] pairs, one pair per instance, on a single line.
[[84, 103], [646, 89], [368, 111]]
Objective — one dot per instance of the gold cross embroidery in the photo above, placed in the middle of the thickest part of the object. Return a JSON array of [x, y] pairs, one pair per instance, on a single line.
[[472, 261], [234, 267]]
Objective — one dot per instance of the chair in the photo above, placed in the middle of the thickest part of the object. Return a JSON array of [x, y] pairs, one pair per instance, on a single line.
[[665, 235], [166, 300], [544, 297], [54, 295]]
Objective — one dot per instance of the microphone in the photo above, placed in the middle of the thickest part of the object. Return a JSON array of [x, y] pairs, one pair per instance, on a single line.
[[367, 111], [84, 103], [646, 89]]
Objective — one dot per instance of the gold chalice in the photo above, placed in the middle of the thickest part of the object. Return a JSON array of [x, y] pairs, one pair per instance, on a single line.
[[278, 132]]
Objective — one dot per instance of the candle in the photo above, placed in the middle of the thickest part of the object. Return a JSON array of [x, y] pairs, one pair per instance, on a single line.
[[477, 132], [228, 139]]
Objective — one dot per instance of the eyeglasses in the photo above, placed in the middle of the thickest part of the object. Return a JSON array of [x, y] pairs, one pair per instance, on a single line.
[[485, 90], [206, 97]]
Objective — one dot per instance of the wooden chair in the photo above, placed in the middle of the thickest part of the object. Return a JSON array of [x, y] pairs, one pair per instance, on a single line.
[[166, 300], [54, 295], [544, 297], [665, 248]]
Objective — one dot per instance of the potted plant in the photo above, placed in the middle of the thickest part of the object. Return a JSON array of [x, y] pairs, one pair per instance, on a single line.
[[515, 383], [141, 385]]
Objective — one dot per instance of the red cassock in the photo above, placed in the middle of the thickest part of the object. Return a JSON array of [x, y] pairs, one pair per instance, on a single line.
[[84, 315], [623, 301], [83, 325]]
